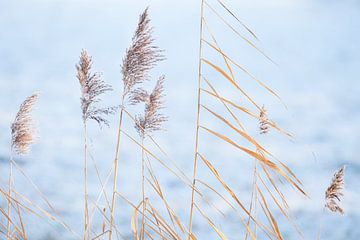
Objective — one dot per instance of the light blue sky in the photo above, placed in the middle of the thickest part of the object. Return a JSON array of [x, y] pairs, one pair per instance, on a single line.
[[315, 44]]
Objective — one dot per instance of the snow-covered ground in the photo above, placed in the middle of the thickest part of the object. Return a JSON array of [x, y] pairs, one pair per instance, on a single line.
[[315, 44]]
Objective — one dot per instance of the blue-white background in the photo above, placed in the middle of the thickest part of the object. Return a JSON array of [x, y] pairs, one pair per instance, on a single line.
[[314, 42]]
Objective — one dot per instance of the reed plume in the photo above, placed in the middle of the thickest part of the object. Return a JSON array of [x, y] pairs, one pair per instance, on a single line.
[[151, 120], [92, 86], [334, 192], [147, 123], [263, 124], [22, 136], [22, 129], [140, 58], [142, 55]]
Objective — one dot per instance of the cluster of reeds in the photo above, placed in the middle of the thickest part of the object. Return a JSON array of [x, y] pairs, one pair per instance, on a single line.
[[149, 221]]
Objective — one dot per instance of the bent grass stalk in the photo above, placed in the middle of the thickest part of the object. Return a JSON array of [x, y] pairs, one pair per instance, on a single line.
[[260, 154]]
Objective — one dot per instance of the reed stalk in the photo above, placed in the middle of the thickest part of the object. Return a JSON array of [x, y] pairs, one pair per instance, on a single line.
[[22, 136], [8, 226], [140, 58], [142, 189], [197, 122], [86, 208], [92, 86], [115, 165]]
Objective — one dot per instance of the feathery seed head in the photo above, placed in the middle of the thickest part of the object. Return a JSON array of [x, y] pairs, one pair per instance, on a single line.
[[334, 192], [139, 95], [142, 55], [22, 129], [92, 86], [151, 120], [263, 124]]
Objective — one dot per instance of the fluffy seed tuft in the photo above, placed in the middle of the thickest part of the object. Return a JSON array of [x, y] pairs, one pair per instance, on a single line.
[[22, 129], [263, 124], [151, 120], [142, 55], [92, 86], [334, 192]]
